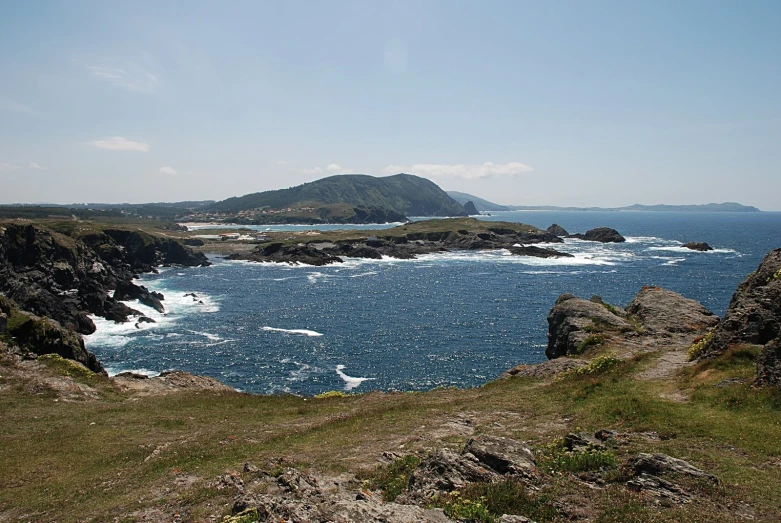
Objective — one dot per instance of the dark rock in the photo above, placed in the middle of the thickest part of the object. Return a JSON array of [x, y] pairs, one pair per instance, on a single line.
[[130, 291], [754, 313], [470, 208], [503, 455], [573, 319], [769, 364], [557, 230], [249, 467], [45, 336], [601, 234], [193, 242], [539, 252], [3, 322], [660, 310], [698, 246], [282, 253]]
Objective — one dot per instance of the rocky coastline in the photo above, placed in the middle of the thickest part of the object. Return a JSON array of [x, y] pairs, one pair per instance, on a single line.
[[413, 239]]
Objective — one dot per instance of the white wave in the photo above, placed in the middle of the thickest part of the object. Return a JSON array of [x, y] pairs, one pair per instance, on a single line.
[[302, 332], [674, 261], [370, 273], [301, 373], [351, 382], [684, 250], [644, 239], [113, 371], [208, 336]]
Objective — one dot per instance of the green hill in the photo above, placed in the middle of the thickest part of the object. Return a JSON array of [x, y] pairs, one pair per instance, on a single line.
[[402, 193]]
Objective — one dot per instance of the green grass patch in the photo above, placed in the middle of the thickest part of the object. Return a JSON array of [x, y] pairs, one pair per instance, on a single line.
[[592, 340], [699, 345], [393, 479], [556, 458]]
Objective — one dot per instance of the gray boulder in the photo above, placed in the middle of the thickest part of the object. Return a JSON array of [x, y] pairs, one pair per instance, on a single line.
[[660, 310], [572, 320], [557, 230], [502, 455]]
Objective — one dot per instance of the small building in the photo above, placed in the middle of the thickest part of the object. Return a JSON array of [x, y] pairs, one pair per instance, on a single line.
[[229, 236]]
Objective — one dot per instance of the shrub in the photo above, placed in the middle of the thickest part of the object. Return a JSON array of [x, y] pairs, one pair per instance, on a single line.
[[511, 497], [461, 508], [557, 458], [698, 347], [393, 479], [331, 394], [592, 340], [597, 366]]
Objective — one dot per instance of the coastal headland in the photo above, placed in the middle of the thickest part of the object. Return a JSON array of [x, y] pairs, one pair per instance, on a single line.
[[654, 411]]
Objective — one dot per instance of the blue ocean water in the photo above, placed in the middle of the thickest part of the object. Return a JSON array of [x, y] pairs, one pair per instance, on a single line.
[[453, 319]]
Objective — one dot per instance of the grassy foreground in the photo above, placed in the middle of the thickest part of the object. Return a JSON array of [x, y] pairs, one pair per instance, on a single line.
[[114, 457]]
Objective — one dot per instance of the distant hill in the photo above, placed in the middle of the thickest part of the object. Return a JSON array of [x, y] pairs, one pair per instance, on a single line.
[[482, 205], [707, 207], [401, 193]]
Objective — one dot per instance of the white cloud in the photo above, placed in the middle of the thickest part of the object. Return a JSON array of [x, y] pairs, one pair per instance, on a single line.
[[131, 77], [8, 167], [34, 165], [15, 107], [466, 171], [333, 168], [118, 143], [314, 170], [170, 171]]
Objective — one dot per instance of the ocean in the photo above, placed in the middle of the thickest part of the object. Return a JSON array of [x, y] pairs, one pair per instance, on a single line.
[[452, 319]]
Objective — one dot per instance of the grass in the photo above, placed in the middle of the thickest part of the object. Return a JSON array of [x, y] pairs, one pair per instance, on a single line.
[[393, 479], [592, 340], [105, 459]]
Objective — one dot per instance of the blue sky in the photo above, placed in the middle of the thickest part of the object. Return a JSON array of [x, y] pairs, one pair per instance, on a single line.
[[554, 102]]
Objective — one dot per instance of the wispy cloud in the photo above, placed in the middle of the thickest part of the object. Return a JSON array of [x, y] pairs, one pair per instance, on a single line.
[[333, 168], [460, 170], [16, 107], [8, 167], [36, 166], [131, 76], [313, 170], [169, 171], [118, 143]]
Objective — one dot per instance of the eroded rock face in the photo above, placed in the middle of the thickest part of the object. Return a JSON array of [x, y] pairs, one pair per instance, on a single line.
[[445, 471], [570, 321], [166, 382], [503, 455], [754, 313], [660, 310]]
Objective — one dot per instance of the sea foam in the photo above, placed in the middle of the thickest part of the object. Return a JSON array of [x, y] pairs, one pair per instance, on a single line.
[[302, 332]]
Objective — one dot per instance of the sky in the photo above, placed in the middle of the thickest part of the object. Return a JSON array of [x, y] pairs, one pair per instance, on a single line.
[[584, 103]]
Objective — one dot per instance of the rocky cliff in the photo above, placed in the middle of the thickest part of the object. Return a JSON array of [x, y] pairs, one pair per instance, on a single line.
[[54, 281]]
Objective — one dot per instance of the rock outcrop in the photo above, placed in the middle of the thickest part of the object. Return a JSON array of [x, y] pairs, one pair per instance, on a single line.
[[663, 311], [698, 246], [572, 321], [601, 234], [575, 324], [754, 313], [557, 230], [470, 208], [769, 364]]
